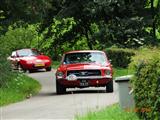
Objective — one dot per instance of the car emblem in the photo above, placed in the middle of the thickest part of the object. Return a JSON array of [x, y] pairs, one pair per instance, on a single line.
[[84, 73]]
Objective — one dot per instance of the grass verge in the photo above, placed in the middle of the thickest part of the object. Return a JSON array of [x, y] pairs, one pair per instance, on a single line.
[[121, 72], [20, 88], [113, 112]]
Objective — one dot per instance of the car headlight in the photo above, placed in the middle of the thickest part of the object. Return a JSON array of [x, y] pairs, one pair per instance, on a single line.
[[107, 72], [29, 62], [72, 77], [46, 60], [59, 75], [39, 61]]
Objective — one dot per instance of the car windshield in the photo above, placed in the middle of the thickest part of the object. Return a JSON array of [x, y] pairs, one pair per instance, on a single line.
[[27, 52], [86, 57]]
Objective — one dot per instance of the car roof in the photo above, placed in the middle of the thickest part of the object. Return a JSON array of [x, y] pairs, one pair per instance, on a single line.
[[82, 51]]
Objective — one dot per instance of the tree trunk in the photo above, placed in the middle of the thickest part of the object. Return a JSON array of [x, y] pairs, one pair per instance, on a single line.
[[88, 40], [55, 56]]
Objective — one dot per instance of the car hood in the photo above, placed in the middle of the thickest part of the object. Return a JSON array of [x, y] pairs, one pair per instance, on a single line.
[[33, 58], [82, 67]]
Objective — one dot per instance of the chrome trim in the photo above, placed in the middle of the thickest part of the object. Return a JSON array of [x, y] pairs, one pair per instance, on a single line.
[[94, 77]]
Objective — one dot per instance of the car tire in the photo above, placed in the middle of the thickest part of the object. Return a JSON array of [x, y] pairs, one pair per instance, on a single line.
[[20, 68], [109, 87], [59, 88], [48, 69], [31, 71]]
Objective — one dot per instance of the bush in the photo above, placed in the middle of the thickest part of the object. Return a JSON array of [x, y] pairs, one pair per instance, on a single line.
[[146, 83], [120, 57], [17, 38], [5, 69]]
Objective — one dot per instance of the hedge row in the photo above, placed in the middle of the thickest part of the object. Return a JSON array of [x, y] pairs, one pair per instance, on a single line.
[[120, 57], [146, 83], [5, 70]]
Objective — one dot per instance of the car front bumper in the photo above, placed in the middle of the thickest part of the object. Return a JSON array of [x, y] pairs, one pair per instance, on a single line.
[[89, 81], [34, 66]]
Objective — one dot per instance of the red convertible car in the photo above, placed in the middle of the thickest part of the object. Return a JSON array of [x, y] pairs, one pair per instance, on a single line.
[[89, 68], [29, 59]]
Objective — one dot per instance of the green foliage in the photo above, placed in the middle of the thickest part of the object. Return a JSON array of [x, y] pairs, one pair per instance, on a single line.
[[109, 113], [17, 38], [18, 88], [103, 22], [26, 10], [119, 22], [118, 72], [120, 57], [5, 70], [53, 38], [146, 83]]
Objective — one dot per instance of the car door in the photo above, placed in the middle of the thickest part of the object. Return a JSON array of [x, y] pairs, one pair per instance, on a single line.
[[13, 59]]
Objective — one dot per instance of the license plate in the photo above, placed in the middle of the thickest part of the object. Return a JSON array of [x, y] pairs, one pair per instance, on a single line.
[[84, 83], [39, 65]]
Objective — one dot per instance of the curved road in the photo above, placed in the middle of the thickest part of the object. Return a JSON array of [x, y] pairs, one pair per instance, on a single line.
[[48, 105]]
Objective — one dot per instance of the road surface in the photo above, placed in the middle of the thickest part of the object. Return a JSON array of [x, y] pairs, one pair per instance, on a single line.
[[48, 105]]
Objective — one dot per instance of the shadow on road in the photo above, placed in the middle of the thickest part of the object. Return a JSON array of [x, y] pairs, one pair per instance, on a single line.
[[38, 71], [85, 91], [47, 94], [73, 92]]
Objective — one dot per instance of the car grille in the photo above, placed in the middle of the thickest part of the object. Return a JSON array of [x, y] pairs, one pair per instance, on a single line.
[[84, 72]]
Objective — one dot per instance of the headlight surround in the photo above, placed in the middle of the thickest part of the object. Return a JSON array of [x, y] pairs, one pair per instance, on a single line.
[[107, 72], [59, 75], [72, 77], [39, 60], [29, 62], [46, 60]]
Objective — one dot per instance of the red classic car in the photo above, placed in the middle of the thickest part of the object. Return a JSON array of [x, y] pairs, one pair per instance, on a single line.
[[89, 68], [29, 59]]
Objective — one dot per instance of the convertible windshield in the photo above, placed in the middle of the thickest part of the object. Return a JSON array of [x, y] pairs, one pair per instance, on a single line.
[[27, 52], [86, 57]]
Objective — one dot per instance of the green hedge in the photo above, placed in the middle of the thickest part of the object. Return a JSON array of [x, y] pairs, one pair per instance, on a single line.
[[120, 57], [146, 83], [5, 70]]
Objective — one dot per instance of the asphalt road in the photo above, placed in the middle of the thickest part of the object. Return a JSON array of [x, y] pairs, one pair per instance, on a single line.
[[48, 105]]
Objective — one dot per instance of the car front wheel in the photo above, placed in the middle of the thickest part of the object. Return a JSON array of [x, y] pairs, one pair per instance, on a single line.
[[109, 87], [20, 68], [60, 89]]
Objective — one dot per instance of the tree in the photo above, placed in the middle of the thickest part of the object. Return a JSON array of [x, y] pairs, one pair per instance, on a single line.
[[28, 11], [17, 38]]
